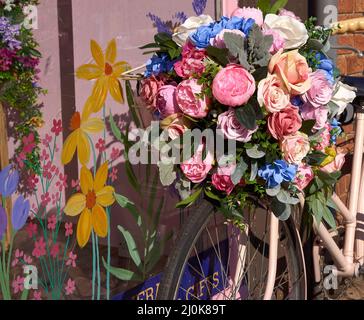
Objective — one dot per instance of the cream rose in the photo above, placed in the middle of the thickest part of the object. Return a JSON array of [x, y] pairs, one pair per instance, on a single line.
[[344, 95], [189, 26], [295, 147], [292, 31]]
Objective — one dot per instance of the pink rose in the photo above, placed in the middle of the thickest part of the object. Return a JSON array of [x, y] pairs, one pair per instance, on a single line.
[[192, 62], [175, 124], [284, 123], [219, 41], [320, 114], [222, 183], [233, 86], [248, 12], [293, 70], [337, 164], [288, 13], [272, 94], [166, 101], [149, 90], [188, 101], [196, 169], [229, 124], [304, 176], [278, 40], [324, 139], [295, 147], [321, 90]]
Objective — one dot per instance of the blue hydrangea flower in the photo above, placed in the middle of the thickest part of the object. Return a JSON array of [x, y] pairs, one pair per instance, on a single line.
[[327, 65], [336, 130], [201, 37], [297, 101], [158, 64], [278, 172]]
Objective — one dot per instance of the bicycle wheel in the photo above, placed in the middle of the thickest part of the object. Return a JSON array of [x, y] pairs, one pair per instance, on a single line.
[[207, 262]]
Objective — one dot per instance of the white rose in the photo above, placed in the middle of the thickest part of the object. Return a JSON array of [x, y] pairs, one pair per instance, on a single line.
[[189, 26], [293, 31], [344, 95]]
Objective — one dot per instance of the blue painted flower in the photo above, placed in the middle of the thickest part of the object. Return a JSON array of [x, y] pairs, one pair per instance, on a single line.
[[3, 222], [327, 65], [201, 37], [20, 213], [8, 181], [158, 64], [336, 130], [277, 173]]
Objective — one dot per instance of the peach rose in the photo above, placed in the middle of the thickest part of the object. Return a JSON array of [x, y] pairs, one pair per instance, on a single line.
[[272, 94], [293, 70], [175, 124], [295, 147], [284, 123]]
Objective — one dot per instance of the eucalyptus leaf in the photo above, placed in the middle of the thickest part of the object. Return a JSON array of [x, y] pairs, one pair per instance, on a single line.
[[274, 191], [246, 116], [281, 210], [285, 197], [240, 170], [254, 170], [255, 153]]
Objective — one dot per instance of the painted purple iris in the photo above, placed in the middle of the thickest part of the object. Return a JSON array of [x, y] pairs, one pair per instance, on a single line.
[[20, 213], [9, 180], [3, 222], [199, 6]]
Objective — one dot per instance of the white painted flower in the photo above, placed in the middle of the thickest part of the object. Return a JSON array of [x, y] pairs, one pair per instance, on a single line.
[[344, 95], [9, 5], [189, 26], [292, 31]]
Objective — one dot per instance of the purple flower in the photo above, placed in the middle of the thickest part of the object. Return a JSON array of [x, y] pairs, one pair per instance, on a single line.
[[162, 26], [6, 59], [20, 213], [199, 6], [9, 33], [8, 181], [3, 222], [180, 16]]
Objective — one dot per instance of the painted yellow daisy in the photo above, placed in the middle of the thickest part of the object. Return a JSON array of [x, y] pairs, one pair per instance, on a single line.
[[106, 73], [90, 203], [78, 138]]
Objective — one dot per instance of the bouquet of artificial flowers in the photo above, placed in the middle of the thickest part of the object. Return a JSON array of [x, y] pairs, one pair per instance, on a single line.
[[263, 79]]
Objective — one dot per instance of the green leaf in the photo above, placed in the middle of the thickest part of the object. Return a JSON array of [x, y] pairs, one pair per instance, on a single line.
[[24, 295], [152, 195], [212, 195], [132, 248], [329, 179], [264, 5], [131, 103], [167, 173], [330, 203], [285, 197], [153, 257], [150, 46], [314, 44], [117, 132], [234, 43], [281, 210], [279, 4], [190, 200], [218, 55], [260, 73], [247, 116], [240, 170], [316, 157], [254, 170], [307, 126], [273, 192], [122, 274], [127, 204], [329, 218], [162, 37], [255, 153]]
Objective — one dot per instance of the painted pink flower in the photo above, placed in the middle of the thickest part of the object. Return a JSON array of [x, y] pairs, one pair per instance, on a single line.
[[21, 157], [229, 124], [166, 101], [69, 229], [115, 153], [75, 184], [71, 261], [233, 86], [284, 123], [54, 250], [321, 90], [37, 295], [52, 221], [196, 169], [27, 259], [113, 174], [222, 183], [337, 164], [249, 13], [44, 155], [70, 287], [45, 199], [149, 89], [39, 248], [188, 101], [31, 229], [18, 284], [28, 143], [47, 170], [47, 140], [57, 127], [55, 198], [100, 145], [62, 182], [304, 176], [192, 62], [18, 254], [32, 181]]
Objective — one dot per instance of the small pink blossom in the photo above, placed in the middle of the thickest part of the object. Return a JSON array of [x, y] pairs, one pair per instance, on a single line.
[[113, 174], [39, 248], [37, 295], [18, 254], [27, 259], [115, 153], [32, 182], [75, 184], [47, 140], [69, 229], [57, 127], [100, 145], [44, 155], [31, 229], [62, 182], [28, 143], [18, 284], [70, 287], [55, 250], [55, 198], [71, 260], [45, 199], [52, 221], [21, 157]]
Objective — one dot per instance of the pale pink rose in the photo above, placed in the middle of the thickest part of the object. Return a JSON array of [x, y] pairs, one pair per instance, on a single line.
[[278, 40], [175, 124], [229, 124], [288, 13], [272, 95], [295, 147], [324, 139], [233, 86], [304, 176], [188, 101], [249, 13], [226, 169], [292, 68], [222, 183], [219, 41], [192, 62], [166, 101], [321, 90], [284, 123], [337, 164], [149, 90], [308, 112], [196, 169]]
